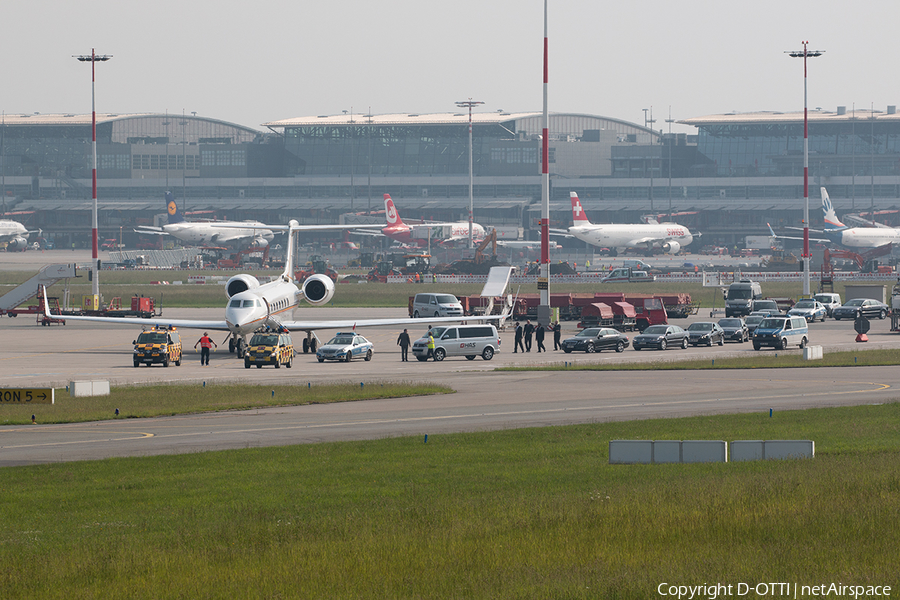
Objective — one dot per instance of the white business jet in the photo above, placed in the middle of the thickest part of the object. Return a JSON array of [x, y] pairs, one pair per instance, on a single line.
[[252, 305]]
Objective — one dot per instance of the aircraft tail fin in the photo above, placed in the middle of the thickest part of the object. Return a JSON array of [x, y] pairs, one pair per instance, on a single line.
[[390, 212], [578, 215], [831, 220], [175, 215], [293, 228]]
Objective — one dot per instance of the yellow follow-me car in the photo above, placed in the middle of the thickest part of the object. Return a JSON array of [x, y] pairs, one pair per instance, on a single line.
[[158, 344], [269, 348]]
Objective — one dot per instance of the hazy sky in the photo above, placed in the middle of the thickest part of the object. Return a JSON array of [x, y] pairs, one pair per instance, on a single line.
[[249, 62]]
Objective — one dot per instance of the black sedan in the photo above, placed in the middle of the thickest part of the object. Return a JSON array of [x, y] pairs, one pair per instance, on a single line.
[[860, 307], [735, 330], [705, 332], [596, 339], [661, 337]]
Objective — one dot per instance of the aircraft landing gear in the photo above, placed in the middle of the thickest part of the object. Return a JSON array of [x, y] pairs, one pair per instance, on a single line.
[[310, 342]]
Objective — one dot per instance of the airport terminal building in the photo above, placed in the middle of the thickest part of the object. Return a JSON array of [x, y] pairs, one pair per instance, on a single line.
[[737, 173]]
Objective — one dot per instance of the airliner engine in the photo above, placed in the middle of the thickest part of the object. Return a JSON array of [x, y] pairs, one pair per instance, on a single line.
[[318, 289], [240, 283], [18, 243], [259, 242], [671, 247]]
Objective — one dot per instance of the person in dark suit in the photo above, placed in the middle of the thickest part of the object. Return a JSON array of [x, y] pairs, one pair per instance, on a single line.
[[518, 339], [557, 333], [539, 337], [403, 342], [529, 331]]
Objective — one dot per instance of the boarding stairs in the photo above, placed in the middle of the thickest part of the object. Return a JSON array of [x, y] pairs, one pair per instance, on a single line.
[[47, 276]]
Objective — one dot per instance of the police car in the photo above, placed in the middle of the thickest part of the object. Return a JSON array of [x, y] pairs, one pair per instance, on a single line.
[[346, 347], [269, 348], [157, 345]]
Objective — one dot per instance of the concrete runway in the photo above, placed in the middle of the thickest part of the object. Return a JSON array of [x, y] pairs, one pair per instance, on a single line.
[[33, 356]]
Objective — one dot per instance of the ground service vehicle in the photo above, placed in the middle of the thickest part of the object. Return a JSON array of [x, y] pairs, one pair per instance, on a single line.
[[459, 340], [157, 345], [661, 337], [780, 332], [740, 297], [627, 274], [596, 339], [346, 347], [269, 348], [705, 332], [436, 305]]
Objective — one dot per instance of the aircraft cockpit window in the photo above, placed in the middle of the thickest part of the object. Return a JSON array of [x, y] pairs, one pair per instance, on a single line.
[[235, 304]]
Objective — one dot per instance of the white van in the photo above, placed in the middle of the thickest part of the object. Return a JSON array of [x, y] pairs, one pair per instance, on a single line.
[[780, 332], [460, 340], [436, 305]]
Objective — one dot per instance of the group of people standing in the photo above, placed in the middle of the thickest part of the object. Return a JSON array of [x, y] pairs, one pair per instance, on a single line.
[[524, 334]]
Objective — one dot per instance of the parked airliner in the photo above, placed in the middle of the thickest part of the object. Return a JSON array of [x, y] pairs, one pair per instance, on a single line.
[[195, 233], [671, 237], [252, 305], [14, 234], [851, 237]]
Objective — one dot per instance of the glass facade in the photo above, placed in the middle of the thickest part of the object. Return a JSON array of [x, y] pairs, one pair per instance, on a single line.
[[847, 147], [436, 149]]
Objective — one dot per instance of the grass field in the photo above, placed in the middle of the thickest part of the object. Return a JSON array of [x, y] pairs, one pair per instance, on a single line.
[[161, 400], [769, 360], [529, 513], [126, 284]]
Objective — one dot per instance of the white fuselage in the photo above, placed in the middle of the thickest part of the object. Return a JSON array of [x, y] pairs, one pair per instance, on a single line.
[[9, 230], [249, 310], [632, 236], [864, 237], [209, 233]]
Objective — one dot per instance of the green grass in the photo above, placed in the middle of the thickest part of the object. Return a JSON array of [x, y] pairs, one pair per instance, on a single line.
[[768, 359], [126, 284], [161, 400], [529, 513]]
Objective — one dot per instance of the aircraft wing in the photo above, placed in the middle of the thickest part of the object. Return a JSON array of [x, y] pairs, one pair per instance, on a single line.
[[351, 324], [146, 229], [291, 325], [646, 240], [788, 237], [237, 225]]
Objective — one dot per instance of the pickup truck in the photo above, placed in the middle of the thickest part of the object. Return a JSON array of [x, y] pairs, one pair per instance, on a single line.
[[628, 275]]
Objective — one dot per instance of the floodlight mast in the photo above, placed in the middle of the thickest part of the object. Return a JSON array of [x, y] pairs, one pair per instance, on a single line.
[[469, 104], [94, 58], [806, 255], [544, 274]]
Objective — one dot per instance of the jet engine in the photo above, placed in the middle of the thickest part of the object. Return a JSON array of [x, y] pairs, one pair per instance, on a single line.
[[318, 289], [259, 242], [671, 247], [16, 244], [240, 283]]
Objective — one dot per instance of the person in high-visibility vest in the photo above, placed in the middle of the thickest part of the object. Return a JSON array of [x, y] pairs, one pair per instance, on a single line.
[[205, 343], [430, 346]]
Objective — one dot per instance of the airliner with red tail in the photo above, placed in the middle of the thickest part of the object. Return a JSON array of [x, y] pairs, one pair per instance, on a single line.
[[406, 233]]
